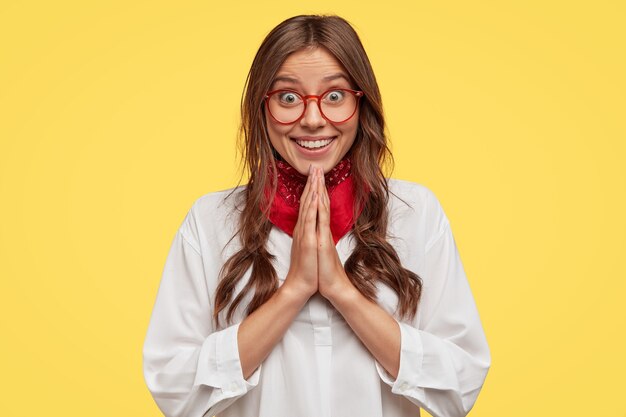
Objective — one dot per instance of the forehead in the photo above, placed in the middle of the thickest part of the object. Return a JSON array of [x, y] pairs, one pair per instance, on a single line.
[[311, 66]]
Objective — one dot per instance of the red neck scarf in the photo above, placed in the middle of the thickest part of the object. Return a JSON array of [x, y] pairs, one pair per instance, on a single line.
[[284, 209]]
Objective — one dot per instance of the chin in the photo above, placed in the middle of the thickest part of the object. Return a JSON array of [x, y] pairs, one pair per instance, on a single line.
[[302, 166]]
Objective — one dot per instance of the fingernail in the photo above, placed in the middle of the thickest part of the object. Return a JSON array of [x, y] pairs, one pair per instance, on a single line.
[[310, 168]]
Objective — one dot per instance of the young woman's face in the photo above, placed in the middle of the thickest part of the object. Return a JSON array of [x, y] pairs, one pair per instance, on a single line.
[[312, 140]]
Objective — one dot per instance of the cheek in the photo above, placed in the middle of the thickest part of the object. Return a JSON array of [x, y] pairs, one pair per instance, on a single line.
[[351, 130], [275, 132]]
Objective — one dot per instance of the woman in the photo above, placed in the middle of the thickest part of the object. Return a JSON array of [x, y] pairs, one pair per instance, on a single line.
[[320, 288]]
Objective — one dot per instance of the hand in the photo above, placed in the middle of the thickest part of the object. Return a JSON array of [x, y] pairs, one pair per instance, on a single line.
[[302, 274], [333, 280]]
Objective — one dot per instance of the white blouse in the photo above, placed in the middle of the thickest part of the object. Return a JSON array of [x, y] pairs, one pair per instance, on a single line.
[[320, 368]]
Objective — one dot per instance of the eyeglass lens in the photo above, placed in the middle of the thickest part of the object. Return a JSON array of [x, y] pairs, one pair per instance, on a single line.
[[336, 105]]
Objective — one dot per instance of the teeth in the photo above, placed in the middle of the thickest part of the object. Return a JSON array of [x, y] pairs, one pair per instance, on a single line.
[[313, 144]]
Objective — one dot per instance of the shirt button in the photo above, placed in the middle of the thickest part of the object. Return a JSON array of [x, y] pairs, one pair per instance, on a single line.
[[233, 386], [404, 386]]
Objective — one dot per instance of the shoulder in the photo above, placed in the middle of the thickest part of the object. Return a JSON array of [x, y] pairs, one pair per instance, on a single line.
[[410, 192], [218, 202], [212, 213], [415, 196], [416, 204]]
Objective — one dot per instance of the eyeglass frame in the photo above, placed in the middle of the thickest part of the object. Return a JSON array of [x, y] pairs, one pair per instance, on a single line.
[[305, 99]]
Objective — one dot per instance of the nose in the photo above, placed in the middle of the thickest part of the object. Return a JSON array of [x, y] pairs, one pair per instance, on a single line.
[[312, 117]]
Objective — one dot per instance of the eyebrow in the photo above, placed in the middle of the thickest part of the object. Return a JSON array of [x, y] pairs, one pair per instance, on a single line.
[[295, 81], [335, 76]]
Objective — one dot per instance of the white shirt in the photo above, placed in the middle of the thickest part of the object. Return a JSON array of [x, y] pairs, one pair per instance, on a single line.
[[320, 368]]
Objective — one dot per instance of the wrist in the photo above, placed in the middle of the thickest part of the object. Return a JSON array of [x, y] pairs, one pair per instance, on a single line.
[[294, 293], [341, 294]]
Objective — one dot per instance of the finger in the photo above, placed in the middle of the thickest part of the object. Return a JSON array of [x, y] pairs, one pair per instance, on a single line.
[[324, 232], [311, 215], [325, 197], [322, 191], [323, 224], [305, 194], [324, 201], [305, 206]]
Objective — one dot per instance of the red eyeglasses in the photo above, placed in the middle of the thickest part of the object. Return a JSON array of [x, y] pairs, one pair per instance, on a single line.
[[336, 105]]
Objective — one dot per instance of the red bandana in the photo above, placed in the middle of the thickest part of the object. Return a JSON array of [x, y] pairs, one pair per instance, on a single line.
[[284, 211]]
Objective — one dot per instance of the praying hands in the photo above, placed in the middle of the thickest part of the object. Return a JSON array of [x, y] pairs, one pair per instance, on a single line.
[[315, 264]]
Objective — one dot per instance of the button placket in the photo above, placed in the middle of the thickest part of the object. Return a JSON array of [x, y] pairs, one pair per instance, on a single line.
[[320, 319], [322, 337]]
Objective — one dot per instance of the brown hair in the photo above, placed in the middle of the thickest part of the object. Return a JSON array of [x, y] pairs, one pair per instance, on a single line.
[[373, 259]]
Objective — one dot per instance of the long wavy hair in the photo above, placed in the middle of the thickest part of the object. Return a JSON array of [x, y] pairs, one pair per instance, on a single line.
[[374, 258]]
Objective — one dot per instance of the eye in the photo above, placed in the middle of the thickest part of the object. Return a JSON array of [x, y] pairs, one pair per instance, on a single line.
[[335, 96], [288, 97]]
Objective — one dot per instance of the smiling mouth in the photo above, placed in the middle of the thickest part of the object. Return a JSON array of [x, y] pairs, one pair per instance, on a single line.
[[314, 144]]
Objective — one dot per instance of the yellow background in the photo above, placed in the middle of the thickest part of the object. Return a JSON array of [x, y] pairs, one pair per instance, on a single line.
[[115, 116]]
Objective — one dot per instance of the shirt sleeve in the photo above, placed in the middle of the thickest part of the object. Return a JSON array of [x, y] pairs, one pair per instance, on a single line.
[[444, 363], [190, 369]]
